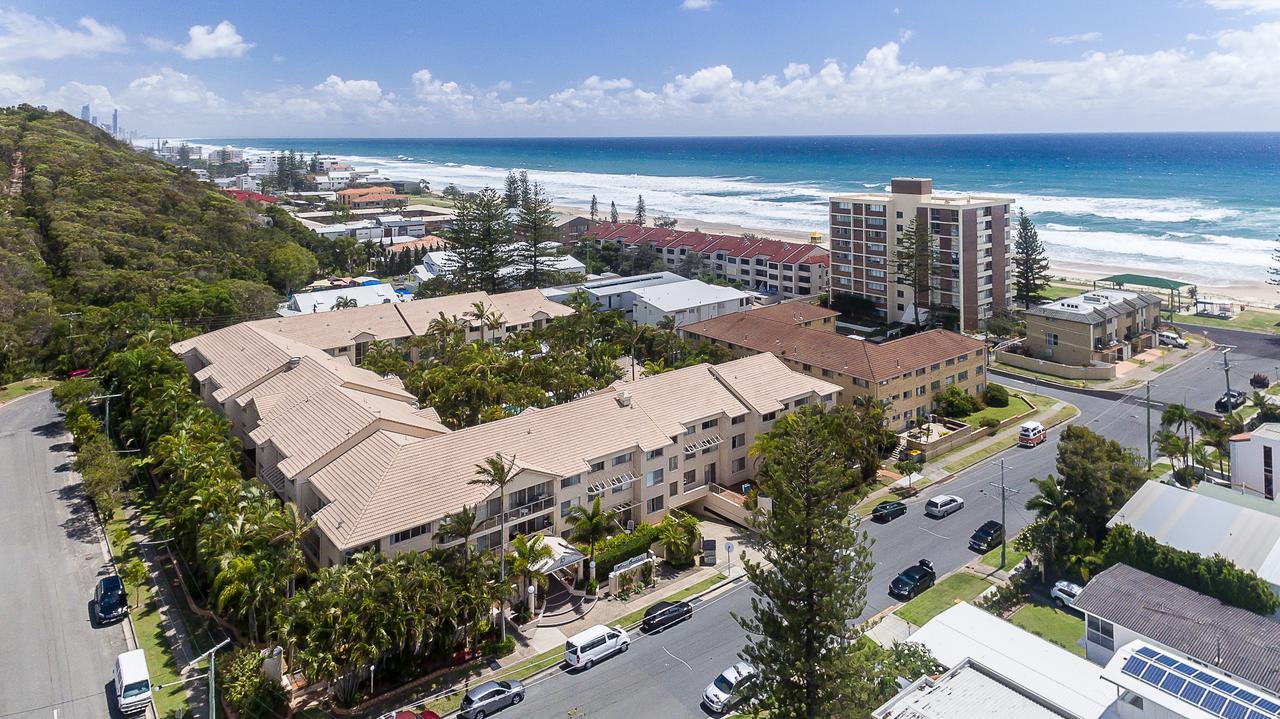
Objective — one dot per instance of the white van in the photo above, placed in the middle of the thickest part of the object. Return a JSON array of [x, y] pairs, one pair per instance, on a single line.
[[591, 645], [133, 682], [1172, 339], [1030, 434]]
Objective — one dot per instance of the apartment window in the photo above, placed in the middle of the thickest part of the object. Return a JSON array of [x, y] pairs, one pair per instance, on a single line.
[[709, 424], [622, 459], [567, 482], [709, 450], [597, 466], [827, 373], [654, 477], [1268, 489], [920, 391], [653, 453], [1101, 632], [673, 489], [962, 357], [673, 464], [739, 419], [806, 367], [935, 367], [935, 385], [951, 361], [769, 416], [408, 534], [802, 401], [963, 376], [738, 440], [690, 430], [739, 464], [951, 379], [875, 208], [1051, 339], [568, 505], [920, 371]]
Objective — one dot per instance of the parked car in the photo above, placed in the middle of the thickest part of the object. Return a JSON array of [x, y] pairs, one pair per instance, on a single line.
[[1030, 434], [78, 373], [132, 682], [1171, 339], [888, 510], [1064, 593], [1232, 399], [591, 645], [487, 698], [987, 537], [725, 691], [110, 603], [664, 614], [913, 580], [943, 505]]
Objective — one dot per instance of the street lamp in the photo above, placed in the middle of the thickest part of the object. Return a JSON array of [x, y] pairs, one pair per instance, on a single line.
[[533, 597], [213, 703]]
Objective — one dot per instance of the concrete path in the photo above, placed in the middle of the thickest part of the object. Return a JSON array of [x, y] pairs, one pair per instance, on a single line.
[[55, 661]]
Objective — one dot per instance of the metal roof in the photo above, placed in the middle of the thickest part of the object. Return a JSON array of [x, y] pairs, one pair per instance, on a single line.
[[1145, 281]]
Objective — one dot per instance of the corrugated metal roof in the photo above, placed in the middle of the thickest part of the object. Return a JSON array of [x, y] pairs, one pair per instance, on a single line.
[[1234, 640], [969, 691]]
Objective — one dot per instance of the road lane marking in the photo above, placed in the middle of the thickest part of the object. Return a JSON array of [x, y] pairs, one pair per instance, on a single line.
[[939, 536], [686, 664]]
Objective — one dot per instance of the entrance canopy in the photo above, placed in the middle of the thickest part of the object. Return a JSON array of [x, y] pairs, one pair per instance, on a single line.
[[562, 555]]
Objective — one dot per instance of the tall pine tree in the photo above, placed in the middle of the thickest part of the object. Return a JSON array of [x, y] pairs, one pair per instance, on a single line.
[[595, 209], [813, 581], [480, 242], [613, 212], [512, 193], [915, 265], [639, 217], [1030, 266], [536, 246]]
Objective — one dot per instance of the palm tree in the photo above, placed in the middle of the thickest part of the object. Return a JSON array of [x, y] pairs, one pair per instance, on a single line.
[[527, 552], [498, 472], [1217, 439], [1171, 445], [1178, 416], [590, 526], [494, 322], [481, 314], [1057, 510], [677, 533], [343, 303]]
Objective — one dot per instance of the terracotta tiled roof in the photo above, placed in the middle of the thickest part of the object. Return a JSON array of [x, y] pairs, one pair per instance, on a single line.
[[362, 191], [732, 245], [835, 352], [794, 312]]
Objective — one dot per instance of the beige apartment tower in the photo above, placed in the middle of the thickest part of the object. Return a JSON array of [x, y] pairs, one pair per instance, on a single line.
[[972, 239]]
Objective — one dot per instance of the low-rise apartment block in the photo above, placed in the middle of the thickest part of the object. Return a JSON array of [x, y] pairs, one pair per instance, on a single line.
[[906, 373], [971, 239], [1097, 326], [1253, 461], [789, 269], [358, 198], [649, 298]]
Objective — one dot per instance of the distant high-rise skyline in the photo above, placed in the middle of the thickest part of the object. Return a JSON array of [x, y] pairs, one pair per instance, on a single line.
[[115, 122], [84, 112]]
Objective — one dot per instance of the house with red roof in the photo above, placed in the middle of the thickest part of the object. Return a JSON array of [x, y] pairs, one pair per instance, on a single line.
[[245, 196], [789, 269]]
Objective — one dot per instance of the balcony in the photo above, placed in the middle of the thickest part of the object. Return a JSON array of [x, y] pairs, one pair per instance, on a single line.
[[516, 513], [617, 482], [701, 444]]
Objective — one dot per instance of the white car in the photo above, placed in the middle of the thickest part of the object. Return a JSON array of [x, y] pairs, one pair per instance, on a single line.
[[943, 505], [1172, 339], [1064, 593], [726, 689], [591, 645]]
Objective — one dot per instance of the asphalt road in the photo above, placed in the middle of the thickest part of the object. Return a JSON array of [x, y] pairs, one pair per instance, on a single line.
[[54, 662], [664, 675]]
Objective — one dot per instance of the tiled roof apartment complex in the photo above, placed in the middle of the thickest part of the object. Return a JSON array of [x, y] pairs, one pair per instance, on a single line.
[[791, 269], [971, 235]]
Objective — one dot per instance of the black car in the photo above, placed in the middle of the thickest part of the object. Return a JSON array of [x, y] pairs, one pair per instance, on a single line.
[[987, 537], [913, 580], [109, 601], [888, 510], [1231, 400], [664, 614]]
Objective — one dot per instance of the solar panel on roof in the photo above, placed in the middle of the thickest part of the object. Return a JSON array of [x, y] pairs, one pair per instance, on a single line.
[[1153, 675], [1213, 694], [1134, 666], [1234, 710], [1206, 677], [1257, 715], [1192, 693], [1148, 652], [1246, 695], [1185, 668], [1173, 683], [1225, 686], [1213, 701], [1167, 660], [1268, 705]]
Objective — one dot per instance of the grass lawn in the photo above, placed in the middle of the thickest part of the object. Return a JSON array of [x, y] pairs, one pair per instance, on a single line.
[[1159, 469], [955, 588], [1249, 320], [973, 458], [1012, 557], [1017, 406], [148, 627], [21, 388], [1057, 292], [1161, 367], [1061, 628]]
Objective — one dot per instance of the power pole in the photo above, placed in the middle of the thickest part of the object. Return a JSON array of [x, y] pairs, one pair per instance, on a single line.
[[1148, 425], [213, 702], [1004, 494], [1226, 364]]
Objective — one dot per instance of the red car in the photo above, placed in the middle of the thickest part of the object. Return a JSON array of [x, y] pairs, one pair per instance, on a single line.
[[77, 373]]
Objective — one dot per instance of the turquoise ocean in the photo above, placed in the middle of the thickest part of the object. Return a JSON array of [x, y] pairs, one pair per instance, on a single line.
[[1198, 205]]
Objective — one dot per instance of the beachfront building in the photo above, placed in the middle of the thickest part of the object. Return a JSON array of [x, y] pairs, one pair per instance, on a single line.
[[971, 238], [442, 262], [329, 300], [788, 269], [905, 373], [358, 198], [647, 299], [1253, 461], [1096, 326]]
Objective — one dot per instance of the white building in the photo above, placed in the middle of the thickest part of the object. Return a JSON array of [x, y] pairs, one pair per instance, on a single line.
[[336, 180], [687, 302], [244, 183], [326, 300], [1253, 458], [1206, 525], [440, 262]]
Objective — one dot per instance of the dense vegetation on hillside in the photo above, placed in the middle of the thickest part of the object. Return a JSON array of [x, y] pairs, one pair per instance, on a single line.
[[89, 226]]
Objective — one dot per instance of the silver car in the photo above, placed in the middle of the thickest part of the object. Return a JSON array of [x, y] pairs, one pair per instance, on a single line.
[[726, 689], [489, 697]]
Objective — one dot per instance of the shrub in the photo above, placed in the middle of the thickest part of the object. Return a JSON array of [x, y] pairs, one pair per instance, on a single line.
[[243, 685], [955, 402], [907, 467], [988, 423], [1215, 576], [499, 648], [621, 547], [996, 396]]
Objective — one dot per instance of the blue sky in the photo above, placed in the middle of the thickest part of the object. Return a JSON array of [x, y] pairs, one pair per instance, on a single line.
[[656, 67]]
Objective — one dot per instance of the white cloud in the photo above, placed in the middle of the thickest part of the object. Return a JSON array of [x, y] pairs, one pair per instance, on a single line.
[[169, 91], [1195, 37], [1077, 38], [795, 70], [354, 90], [695, 4], [1246, 5], [206, 42], [595, 83], [27, 37]]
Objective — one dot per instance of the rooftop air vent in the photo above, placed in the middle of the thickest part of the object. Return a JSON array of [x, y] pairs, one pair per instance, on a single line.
[[624, 399]]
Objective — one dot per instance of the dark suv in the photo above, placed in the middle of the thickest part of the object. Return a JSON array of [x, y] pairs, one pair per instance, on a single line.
[[109, 601], [913, 580], [1231, 400], [987, 537], [664, 614], [888, 510]]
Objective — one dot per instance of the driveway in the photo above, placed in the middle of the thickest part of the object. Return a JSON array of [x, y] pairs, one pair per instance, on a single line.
[[55, 663]]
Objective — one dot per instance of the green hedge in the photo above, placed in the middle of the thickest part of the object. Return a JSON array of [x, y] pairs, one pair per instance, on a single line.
[[621, 547], [1215, 576]]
